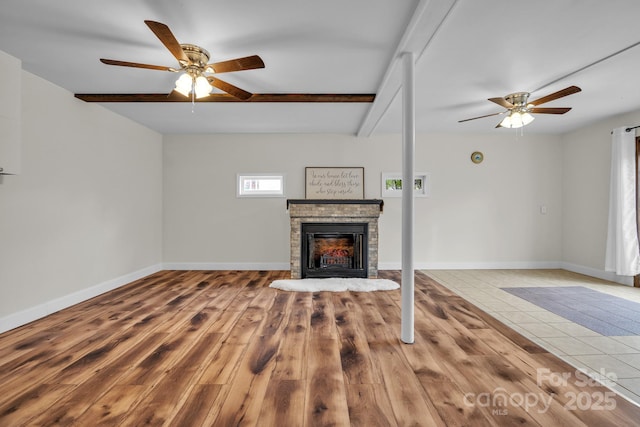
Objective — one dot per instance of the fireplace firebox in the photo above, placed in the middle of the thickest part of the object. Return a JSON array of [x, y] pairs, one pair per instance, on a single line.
[[355, 248], [334, 249]]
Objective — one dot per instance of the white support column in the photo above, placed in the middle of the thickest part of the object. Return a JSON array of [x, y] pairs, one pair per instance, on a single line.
[[408, 166]]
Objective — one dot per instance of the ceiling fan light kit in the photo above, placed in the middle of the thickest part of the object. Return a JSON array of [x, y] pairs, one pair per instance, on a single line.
[[516, 119], [193, 80], [519, 115], [520, 110], [193, 83]]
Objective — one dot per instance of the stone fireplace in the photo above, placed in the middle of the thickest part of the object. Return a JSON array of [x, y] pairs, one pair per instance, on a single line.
[[334, 238]]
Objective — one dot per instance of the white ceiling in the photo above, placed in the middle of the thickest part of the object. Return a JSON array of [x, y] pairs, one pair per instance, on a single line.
[[466, 51]]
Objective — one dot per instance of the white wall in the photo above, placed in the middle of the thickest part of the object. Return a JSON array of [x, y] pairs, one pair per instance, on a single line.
[[586, 167], [485, 215], [85, 214]]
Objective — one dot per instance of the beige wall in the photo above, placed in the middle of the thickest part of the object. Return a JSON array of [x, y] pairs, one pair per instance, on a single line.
[[586, 167], [85, 214], [485, 215]]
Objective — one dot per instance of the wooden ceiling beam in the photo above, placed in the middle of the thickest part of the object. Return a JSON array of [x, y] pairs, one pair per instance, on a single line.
[[223, 97]]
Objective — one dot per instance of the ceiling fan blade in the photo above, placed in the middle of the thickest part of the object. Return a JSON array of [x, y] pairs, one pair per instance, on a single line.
[[559, 94], [136, 65], [239, 64], [502, 102], [168, 39], [481, 117], [229, 88], [559, 110]]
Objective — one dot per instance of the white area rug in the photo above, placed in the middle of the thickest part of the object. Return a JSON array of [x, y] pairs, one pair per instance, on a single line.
[[335, 284]]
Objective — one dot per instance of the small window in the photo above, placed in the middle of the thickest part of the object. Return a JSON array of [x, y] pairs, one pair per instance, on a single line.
[[261, 185]]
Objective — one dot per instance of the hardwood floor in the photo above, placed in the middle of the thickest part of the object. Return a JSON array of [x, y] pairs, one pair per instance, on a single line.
[[194, 348]]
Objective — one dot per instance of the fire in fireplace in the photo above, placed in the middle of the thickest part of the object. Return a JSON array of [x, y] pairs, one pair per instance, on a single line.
[[334, 249]]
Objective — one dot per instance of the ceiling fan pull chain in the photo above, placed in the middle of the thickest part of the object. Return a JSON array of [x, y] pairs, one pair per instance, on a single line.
[[193, 96]]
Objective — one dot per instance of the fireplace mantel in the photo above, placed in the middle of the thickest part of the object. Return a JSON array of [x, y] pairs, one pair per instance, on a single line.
[[305, 211], [378, 202]]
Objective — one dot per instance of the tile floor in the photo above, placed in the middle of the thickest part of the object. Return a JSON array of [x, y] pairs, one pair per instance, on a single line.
[[616, 357]]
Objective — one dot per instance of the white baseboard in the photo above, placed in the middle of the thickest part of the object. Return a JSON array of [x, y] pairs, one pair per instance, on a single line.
[[600, 274], [524, 265], [226, 266], [41, 310], [587, 271]]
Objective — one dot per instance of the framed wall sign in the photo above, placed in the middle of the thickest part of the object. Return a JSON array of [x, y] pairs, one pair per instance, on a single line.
[[334, 183]]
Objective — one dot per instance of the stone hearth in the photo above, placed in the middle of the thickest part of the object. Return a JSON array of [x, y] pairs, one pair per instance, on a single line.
[[306, 211]]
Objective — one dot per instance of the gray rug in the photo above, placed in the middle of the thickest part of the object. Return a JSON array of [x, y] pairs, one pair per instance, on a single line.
[[602, 313], [335, 284]]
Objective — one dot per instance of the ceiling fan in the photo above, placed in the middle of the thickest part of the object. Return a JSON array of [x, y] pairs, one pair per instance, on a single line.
[[193, 60], [520, 109]]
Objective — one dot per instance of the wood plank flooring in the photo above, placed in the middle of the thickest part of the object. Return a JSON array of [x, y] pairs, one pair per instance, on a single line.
[[221, 348]]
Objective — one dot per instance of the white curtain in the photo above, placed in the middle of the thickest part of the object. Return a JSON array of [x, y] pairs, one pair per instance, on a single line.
[[623, 254]]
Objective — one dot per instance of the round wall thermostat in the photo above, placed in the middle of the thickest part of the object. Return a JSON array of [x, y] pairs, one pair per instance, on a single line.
[[477, 157]]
